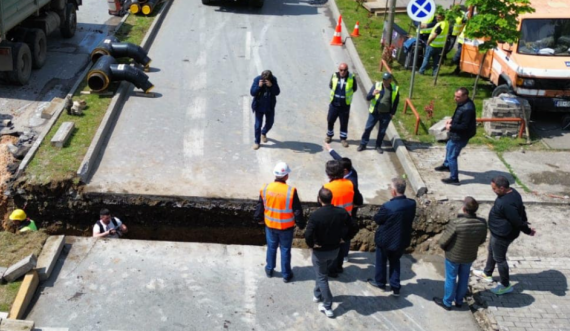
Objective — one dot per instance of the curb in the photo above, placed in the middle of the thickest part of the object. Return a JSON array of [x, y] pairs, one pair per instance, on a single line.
[[58, 112], [402, 153], [90, 159]]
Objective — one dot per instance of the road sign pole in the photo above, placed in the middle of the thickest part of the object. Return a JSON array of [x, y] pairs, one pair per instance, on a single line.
[[416, 48]]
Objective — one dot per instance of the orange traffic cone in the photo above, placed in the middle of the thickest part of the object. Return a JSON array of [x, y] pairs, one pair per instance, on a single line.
[[356, 31], [337, 39]]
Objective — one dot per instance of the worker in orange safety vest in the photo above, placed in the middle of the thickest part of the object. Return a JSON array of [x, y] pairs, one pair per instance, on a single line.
[[279, 208]]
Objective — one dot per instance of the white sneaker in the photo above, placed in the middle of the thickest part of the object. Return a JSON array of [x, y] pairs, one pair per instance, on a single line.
[[327, 312], [315, 299], [481, 275]]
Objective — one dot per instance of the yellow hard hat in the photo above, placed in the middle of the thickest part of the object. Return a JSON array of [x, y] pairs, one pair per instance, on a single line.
[[18, 215]]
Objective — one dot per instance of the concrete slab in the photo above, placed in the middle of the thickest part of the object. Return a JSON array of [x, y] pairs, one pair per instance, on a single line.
[[189, 286], [49, 255], [196, 138], [20, 268], [549, 176], [477, 166], [551, 131], [16, 325]]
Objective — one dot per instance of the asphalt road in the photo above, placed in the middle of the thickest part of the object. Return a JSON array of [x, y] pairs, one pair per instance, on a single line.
[[66, 59], [196, 138]]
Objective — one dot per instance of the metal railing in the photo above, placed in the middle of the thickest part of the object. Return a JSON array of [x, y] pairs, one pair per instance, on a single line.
[[409, 102], [507, 119]]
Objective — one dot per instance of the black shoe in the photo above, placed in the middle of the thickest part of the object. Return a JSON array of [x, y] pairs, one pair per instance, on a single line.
[[451, 181], [288, 279], [396, 292], [269, 273], [439, 302], [458, 305], [361, 148], [372, 282], [379, 150], [441, 168], [339, 270], [456, 72]]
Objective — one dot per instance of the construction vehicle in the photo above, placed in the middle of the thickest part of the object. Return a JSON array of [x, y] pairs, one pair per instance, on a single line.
[[24, 25], [537, 67]]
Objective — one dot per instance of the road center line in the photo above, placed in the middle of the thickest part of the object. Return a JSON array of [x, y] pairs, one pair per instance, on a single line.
[[248, 45]]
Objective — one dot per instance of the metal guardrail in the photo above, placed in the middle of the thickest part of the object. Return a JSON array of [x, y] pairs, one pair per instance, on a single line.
[[409, 103]]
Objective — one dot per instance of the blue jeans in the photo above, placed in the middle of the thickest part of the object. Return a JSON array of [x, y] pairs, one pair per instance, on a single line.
[[457, 55], [269, 118], [284, 240], [322, 262], [434, 53], [373, 118], [455, 291], [452, 150], [384, 257]]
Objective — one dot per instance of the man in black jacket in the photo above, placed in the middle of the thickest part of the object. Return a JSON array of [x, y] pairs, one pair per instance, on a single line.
[[264, 90], [462, 127], [350, 174], [507, 219], [393, 235], [327, 227]]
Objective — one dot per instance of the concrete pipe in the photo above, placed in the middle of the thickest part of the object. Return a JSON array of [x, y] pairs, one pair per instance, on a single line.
[[148, 7], [106, 70], [112, 46]]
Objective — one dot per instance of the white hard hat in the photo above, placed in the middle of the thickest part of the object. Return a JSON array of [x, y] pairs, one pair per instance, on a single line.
[[281, 169]]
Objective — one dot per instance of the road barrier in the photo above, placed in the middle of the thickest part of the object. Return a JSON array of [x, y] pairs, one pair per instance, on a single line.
[[409, 102], [507, 119]]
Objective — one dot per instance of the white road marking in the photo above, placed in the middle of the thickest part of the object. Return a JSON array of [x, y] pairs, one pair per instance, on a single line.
[[246, 118], [248, 45], [193, 143], [197, 109]]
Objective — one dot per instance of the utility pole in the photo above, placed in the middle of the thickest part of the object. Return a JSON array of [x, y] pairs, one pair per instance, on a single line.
[[390, 22]]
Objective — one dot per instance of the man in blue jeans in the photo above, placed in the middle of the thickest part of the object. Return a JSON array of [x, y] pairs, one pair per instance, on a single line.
[[384, 98], [462, 127], [279, 208], [264, 91], [460, 241]]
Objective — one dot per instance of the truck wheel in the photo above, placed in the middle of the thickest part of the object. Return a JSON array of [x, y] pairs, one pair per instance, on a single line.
[[503, 88], [69, 23], [36, 40], [206, 2], [22, 58]]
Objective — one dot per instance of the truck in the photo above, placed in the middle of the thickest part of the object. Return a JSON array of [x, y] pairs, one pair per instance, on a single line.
[[24, 25], [537, 67]]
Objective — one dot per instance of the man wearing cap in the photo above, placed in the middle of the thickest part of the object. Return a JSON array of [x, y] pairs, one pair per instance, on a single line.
[[22, 222], [342, 85], [280, 208], [384, 98], [264, 91]]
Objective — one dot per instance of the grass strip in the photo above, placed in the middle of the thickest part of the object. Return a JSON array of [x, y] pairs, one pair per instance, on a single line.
[[55, 164]]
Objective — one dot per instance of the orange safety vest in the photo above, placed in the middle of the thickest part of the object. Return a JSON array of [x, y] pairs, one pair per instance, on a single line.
[[278, 204], [343, 193]]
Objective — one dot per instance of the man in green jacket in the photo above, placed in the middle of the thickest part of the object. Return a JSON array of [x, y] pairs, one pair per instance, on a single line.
[[460, 241]]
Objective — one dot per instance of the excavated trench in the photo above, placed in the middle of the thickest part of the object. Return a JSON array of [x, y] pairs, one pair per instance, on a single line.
[[62, 208]]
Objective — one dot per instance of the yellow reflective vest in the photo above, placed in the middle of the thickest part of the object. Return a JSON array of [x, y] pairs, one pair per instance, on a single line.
[[439, 40], [458, 26], [348, 91], [380, 87]]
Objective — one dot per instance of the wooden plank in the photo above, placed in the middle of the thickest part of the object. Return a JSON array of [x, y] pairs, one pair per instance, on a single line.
[[62, 134], [25, 294]]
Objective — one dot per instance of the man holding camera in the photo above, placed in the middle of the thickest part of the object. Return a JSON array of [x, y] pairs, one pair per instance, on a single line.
[[108, 226], [264, 91]]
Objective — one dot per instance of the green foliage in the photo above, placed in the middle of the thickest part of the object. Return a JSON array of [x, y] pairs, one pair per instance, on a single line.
[[496, 21]]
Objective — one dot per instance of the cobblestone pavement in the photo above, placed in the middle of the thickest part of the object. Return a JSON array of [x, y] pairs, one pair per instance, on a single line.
[[539, 269]]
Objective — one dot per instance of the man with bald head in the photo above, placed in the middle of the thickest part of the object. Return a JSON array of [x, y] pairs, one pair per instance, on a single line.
[[343, 86]]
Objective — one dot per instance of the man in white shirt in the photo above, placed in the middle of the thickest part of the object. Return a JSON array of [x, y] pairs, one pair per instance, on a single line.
[[108, 226]]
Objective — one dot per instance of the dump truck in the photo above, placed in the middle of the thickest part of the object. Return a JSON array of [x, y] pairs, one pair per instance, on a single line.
[[24, 25], [537, 67]]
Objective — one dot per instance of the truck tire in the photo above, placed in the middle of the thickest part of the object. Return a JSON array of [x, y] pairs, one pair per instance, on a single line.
[[503, 88], [36, 41], [69, 22], [22, 58]]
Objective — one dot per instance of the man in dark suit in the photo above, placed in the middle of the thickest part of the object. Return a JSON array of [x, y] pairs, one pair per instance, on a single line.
[[350, 174], [393, 235], [327, 227], [264, 91]]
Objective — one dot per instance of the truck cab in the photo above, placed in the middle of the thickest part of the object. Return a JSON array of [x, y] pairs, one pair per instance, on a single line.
[[537, 67]]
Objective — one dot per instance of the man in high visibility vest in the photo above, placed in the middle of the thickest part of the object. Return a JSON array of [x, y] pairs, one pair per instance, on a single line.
[[280, 209], [460, 41], [22, 222], [425, 27], [343, 196], [435, 44], [384, 98], [342, 85]]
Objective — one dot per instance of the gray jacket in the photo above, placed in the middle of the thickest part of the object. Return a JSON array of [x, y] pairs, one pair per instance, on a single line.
[[462, 237]]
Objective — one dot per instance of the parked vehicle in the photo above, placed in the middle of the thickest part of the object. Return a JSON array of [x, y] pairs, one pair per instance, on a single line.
[[24, 25], [253, 3], [537, 67]]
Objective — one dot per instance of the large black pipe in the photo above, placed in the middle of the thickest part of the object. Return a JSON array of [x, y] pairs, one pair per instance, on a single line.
[[112, 46], [148, 7], [106, 70]]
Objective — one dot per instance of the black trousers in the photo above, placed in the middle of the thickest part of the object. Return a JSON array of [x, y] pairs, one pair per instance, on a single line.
[[342, 112], [498, 257]]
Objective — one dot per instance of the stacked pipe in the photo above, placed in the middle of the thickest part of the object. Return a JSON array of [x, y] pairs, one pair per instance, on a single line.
[[107, 70], [148, 7], [112, 46], [136, 6], [144, 6]]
